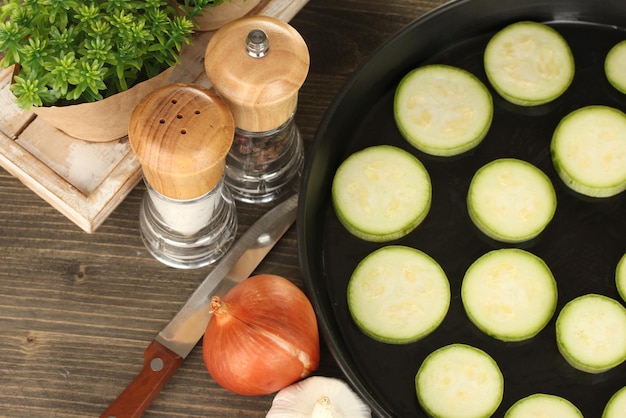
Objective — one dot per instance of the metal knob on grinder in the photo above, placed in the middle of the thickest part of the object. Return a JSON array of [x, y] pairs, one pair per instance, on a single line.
[[181, 135], [257, 65]]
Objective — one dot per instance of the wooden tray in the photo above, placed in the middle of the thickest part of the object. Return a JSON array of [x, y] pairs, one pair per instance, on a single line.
[[86, 181]]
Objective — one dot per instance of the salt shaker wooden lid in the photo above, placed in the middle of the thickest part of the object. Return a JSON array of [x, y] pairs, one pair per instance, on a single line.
[[257, 64], [181, 135]]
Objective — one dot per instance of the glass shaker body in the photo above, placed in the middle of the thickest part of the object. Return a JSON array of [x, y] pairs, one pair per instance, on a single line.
[[265, 166], [188, 233]]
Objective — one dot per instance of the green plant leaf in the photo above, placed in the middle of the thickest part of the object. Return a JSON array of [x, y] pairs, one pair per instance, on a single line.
[[89, 49], [57, 11], [62, 40], [88, 81], [61, 70], [96, 49], [11, 38], [31, 91], [7, 8], [34, 54]]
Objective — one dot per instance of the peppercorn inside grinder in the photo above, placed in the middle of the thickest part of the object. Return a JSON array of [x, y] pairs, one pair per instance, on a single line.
[[181, 134], [257, 65]]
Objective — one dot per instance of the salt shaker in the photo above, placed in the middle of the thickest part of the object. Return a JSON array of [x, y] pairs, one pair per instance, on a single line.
[[181, 135], [257, 65]]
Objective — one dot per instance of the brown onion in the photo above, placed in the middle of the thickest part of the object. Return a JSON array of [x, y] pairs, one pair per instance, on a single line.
[[262, 336]]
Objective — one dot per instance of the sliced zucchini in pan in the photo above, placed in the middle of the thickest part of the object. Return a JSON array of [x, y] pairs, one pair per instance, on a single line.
[[442, 110], [529, 63], [381, 193]]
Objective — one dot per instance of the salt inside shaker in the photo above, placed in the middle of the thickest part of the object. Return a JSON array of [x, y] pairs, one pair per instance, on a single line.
[[181, 135], [257, 65]]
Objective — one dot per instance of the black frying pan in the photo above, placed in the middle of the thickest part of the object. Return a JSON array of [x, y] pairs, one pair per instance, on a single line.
[[581, 245]]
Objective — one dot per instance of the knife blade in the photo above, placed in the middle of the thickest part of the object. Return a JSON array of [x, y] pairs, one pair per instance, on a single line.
[[174, 342]]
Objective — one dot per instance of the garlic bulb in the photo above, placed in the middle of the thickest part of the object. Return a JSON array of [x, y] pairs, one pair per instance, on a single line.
[[318, 397]]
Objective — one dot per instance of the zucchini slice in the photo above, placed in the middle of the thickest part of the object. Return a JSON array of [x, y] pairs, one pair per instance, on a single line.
[[459, 381], [442, 110], [398, 294], [616, 406], [511, 200], [614, 65], [381, 193], [510, 294], [529, 63], [589, 150], [620, 277], [543, 405], [591, 333]]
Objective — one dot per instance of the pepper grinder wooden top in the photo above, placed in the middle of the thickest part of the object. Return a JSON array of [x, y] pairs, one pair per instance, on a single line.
[[257, 65], [181, 135]]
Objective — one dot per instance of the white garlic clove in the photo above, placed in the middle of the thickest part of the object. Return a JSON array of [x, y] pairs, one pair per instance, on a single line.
[[318, 397]]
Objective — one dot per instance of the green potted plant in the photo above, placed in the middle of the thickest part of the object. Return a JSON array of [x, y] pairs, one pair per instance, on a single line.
[[70, 53], [210, 15]]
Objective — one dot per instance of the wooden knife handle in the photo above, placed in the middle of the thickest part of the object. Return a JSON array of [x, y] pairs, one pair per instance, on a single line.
[[159, 365]]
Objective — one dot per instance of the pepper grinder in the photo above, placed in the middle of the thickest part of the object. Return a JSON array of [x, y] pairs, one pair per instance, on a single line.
[[181, 135], [257, 65]]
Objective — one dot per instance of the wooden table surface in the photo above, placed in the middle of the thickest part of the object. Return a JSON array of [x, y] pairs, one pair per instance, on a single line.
[[78, 310]]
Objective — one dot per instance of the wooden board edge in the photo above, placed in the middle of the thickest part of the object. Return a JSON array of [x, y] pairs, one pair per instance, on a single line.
[[114, 189], [278, 9], [30, 171]]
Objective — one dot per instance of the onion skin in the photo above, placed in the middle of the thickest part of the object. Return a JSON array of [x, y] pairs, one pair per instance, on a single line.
[[262, 336]]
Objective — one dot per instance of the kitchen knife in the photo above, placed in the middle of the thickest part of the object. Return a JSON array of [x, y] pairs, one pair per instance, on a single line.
[[170, 347]]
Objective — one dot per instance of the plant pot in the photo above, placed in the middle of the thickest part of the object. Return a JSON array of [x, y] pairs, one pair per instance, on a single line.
[[104, 120], [213, 18]]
